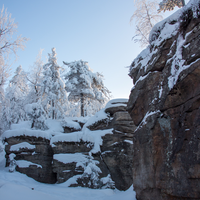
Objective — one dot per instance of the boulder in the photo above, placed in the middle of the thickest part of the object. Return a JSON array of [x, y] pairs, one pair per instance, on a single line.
[[116, 149], [165, 106], [34, 156]]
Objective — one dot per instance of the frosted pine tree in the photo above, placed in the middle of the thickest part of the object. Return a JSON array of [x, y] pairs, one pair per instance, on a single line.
[[54, 95], [35, 80], [15, 96], [36, 115], [170, 4], [85, 86], [12, 162], [146, 16]]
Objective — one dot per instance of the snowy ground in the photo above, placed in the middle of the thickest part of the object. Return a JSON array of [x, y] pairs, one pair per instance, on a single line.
[[17, 186]]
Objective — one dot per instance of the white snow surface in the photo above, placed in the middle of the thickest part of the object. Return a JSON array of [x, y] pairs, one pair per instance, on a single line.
[[94, 137], [70, 123], [54, 125], [26, 164], [26, 132], [22, 145], [128, 141], [148, 114], [102, 115], [17, 186], [78, 158]]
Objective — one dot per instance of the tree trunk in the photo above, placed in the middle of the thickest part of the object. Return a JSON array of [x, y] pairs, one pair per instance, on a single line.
[[53, 113], [82, 105]]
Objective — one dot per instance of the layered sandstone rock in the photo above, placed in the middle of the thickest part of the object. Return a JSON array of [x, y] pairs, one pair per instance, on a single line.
[[97, 156], [34, 155], [113, 156], [165, 106]]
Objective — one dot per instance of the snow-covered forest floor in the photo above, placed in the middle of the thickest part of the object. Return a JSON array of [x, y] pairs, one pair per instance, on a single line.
[[17, 186]]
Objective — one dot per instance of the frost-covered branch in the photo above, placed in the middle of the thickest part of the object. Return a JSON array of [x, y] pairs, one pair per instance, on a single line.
[[7, 29], [145, 17]]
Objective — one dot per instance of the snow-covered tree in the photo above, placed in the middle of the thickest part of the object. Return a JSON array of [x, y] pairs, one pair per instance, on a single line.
[[8, 45], [85, 86], [90, 177], [12, 162], [35, 80], [145, 16], [54, 95], [36, 115], [170, 4], [15, 95]]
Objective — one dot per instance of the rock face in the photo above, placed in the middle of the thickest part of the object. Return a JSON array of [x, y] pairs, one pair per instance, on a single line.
[[34, 156], [116, 150], [165, 106], [114, 157], [97, 156]]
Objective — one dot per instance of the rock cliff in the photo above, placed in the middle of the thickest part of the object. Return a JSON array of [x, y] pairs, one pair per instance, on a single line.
[[165, 106]]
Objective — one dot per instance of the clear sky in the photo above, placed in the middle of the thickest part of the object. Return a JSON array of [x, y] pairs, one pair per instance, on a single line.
[[97, 31]]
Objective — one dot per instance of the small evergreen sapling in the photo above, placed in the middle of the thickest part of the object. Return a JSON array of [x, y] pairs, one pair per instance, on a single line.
[[12, 162], [36, 115]]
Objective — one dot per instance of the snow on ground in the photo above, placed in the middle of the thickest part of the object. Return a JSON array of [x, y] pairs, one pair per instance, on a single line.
[[17, 186]]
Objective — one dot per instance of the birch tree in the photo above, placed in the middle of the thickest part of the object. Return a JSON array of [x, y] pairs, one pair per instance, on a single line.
[[8, 44], [145, 16]]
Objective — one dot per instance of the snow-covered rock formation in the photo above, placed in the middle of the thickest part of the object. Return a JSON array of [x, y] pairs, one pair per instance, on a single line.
[[165, 106], [94, 152]]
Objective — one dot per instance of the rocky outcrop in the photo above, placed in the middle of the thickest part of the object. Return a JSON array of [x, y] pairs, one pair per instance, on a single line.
[[114, 156], [97, 156], [165, 106], [34, 156], [116, 150]]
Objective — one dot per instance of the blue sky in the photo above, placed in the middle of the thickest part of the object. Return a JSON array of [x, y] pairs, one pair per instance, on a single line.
[[97, 31]]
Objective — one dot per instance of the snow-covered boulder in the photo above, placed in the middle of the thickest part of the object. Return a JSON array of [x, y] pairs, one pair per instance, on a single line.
[[116, 148], [165, 104], [33, 152], [104, 146]]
